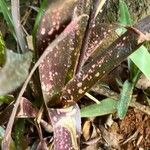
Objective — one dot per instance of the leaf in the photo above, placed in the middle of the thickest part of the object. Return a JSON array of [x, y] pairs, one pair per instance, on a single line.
[[141, 58], [58, 66], [26, 109], [66, 124], [8, 17], [6, 99], [103, 64], [38, 18], [2, 50], [99, 8], [106, 106], [124, 15], [15, 71], [125, 99], [19, 135], [55, 19], [100, 37]]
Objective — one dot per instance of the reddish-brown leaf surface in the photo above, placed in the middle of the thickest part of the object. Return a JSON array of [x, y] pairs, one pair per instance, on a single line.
[[55, 19], [67, 127], [104, 63]]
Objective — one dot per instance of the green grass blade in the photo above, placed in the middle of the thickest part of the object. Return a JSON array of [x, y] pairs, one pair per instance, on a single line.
[[38, 17], [7, 17], [106, 106], [124, 15], [142, 60], [125, 98], [2, 50]]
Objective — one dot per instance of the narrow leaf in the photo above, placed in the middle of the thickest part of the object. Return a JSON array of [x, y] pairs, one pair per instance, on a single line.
[[61, 59], [15, 71], [20, 140], [104, 63], [38, 18], [7, 17], [106, 106], [125, 99], [2, 50], [55, 19], [124, 15]]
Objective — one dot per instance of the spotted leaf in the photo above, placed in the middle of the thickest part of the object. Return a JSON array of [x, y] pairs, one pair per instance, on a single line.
[[98, 36], [67, 127], [60, 61], [55, 19], [120, 49]]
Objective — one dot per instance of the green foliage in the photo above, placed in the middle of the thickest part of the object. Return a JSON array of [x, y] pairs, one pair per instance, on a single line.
[[6, 99], [8, 17], [20, 142], [106, 106], [141, 57], [142, 60], [2, 50], [38, 17], [124, 15]]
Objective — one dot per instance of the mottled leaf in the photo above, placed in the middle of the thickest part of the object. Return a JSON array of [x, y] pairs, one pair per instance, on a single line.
[[105, 62], [125, 99], [106, 106], [66, 124], [95, 36], [100, 38], [53, 22], [61, 59], [15, 71], [26, 109]]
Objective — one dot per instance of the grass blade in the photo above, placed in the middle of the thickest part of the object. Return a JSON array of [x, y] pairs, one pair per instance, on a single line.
[[106, 106], [125, 99], [8, 17], [141, 58]]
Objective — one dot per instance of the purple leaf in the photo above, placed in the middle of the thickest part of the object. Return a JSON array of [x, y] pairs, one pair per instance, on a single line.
[[26, 109], [105, 62], [55, 19], [61, 59], [66, 126], [100, 37]]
